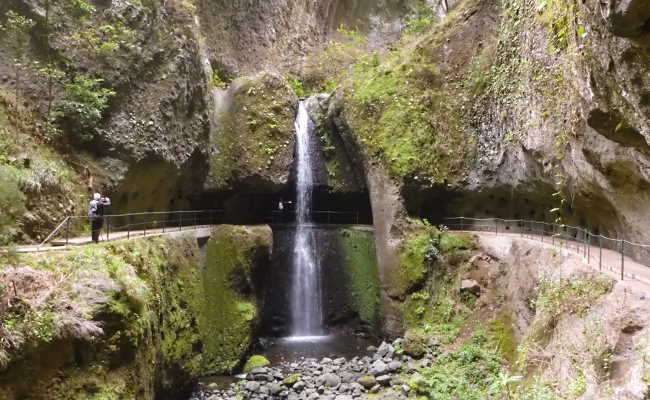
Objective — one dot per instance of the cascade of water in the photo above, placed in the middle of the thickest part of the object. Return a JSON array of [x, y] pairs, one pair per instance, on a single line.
[[306, 308]]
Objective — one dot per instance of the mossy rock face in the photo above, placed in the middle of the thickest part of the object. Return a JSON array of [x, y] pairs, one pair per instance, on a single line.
[[255, 361], [228, 317], [122, 324], [362, 273], [253, 146]]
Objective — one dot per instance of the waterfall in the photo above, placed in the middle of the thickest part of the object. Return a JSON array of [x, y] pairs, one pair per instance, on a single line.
[[306, 296]]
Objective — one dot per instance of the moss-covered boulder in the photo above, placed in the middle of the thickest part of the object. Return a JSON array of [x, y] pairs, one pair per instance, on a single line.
[[236, 257], [255, 361], [253, 145]]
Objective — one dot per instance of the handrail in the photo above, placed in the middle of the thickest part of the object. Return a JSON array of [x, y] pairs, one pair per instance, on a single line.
[[54, 232], [581, 236], [199, 216]]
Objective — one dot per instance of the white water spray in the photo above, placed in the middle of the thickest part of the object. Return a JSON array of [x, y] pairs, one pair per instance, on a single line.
[[306, 296]]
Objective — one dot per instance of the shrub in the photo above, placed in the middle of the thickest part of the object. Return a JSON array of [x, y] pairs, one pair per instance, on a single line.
[[83, 103]]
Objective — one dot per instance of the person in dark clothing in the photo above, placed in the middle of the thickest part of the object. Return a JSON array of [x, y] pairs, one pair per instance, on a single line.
[[96, 214]]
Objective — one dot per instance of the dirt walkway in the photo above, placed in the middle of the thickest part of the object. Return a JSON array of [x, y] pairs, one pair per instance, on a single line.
[[610, 263]]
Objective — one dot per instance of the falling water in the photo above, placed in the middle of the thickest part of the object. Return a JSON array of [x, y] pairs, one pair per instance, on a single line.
[[306, 310]]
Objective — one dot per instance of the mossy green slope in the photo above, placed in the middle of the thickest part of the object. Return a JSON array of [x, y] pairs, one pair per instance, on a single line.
[[407, 114], [229, 309], [39, 187]]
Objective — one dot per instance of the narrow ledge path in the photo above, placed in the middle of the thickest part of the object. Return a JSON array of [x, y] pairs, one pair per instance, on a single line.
[[635, 274]]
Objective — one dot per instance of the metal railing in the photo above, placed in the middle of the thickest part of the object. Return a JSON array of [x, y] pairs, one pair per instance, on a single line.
[[570, 237], [318, 216], [133, 224]]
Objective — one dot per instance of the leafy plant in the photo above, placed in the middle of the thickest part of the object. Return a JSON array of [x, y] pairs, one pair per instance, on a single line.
[[83, 103], [80, 8]]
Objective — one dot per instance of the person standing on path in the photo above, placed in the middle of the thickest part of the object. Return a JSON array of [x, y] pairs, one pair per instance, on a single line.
[[96, 214]]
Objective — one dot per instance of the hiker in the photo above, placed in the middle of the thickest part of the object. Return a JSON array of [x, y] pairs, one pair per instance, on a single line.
[[96, 214]]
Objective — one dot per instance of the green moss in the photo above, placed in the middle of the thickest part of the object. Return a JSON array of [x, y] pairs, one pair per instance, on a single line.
[[502, 336], [448, 242], [291, 380], [228, 317], [358, 250], [255, 362], [575, 294], [414, 264], [256, 133], [402, 106]]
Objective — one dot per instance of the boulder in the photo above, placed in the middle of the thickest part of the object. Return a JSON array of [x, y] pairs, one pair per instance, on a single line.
[[367, 381], [415, 344], [470, 286]]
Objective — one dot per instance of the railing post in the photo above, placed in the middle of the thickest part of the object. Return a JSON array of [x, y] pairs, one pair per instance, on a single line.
[[180, 221], [194, 215], [622, 259], [67, 231], [108, 228], [461, 223], [164, 222], [588, 247], [496, 227], [600, 258], [521, 227], [145, 226]]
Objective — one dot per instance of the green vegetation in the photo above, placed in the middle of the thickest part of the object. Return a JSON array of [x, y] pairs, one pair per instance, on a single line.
[[423, 19], [131, 301], [255, 362], [217, 81], [472, 372], [296, 85], [80, 8], [15, 35], [12, 204], [402, 106], [82, 105], [423, 245], [572, 295], [32, 174], [325, 70], [358, 251], [104, 39], [227, 329]]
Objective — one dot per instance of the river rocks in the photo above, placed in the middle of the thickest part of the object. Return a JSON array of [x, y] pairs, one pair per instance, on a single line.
[[378, 368], [324, 379]]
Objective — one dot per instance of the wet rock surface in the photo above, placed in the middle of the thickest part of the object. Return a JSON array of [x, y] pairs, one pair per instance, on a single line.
[[333, 379]]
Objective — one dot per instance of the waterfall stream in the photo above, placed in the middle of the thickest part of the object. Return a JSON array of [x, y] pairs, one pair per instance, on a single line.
[[306, 296]]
